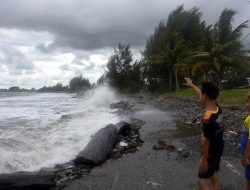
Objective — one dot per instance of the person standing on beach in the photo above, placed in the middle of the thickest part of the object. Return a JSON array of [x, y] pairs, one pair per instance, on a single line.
[[245, 142], [212, 136]]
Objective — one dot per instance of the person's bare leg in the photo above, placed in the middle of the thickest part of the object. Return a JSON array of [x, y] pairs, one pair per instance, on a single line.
[[215, 181], [248, 184], [204, 184]]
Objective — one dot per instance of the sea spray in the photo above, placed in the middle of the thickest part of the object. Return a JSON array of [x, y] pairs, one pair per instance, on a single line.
[[34, 135]]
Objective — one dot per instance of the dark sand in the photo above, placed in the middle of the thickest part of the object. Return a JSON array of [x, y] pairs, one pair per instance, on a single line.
[[162, 169]]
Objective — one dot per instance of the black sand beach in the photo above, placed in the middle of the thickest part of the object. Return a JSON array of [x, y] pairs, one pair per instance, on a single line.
[[175, 122]]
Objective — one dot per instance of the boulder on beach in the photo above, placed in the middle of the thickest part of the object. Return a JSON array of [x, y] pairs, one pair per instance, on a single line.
[[43, 180], [99, 147], [123, 128]]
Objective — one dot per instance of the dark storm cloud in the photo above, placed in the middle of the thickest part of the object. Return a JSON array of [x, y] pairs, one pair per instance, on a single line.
[[78, 24], [96, 24]]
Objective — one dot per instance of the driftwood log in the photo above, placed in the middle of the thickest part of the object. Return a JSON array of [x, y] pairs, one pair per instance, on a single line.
[[99, 147], [43, 180]]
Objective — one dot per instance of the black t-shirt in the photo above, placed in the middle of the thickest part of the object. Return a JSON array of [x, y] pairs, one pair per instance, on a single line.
[[213, 130]]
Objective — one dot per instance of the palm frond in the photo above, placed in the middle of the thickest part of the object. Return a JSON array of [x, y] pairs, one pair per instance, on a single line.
[[225, 24], [201, 54], [231, 46], [228, 59], [238, 31]]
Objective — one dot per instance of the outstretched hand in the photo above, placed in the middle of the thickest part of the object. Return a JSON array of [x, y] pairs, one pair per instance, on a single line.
[[188, 82]]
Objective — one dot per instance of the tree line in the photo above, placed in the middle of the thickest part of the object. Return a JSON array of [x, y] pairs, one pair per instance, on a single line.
[[183, 45], [76, 84]]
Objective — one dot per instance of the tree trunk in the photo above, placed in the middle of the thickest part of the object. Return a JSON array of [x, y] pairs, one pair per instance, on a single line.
[[220, 76], [170, 81], [220, 82], [177, 86]]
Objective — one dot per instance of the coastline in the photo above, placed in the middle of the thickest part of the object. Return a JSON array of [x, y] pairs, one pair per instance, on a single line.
[[163, 155], [174, 121]]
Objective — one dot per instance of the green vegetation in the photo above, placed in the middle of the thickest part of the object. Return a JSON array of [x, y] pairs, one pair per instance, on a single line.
[[75, 84], [57, 88], [184, 45], [232, 96], [79, 83], [16, 89], [185, 93], [122, 72]]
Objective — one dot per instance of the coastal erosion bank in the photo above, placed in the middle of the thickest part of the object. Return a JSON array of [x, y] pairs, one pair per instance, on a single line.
[[109, 142]]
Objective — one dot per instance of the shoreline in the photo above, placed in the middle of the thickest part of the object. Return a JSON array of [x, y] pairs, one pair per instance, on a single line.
[[170, 150], [177, 124], [108, 143]]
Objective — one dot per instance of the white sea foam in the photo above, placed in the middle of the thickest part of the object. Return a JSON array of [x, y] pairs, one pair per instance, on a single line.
[[33, 135]]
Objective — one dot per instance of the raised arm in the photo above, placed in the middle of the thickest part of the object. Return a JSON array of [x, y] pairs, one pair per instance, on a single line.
[[190, 84]]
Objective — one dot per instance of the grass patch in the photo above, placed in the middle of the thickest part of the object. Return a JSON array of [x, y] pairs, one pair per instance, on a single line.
[[185, 93], [232, 96]]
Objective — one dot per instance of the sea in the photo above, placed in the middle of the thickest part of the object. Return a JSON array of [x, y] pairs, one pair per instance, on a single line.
[[39, 130]]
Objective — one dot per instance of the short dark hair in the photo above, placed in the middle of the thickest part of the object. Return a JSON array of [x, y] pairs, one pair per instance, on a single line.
[[210, 89]]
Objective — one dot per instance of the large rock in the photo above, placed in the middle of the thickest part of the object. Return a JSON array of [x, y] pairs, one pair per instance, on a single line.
[[123, 128], [44, 180], [99, 147]]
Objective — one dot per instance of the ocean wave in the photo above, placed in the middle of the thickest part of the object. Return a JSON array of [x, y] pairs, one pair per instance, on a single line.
[[55, 130]]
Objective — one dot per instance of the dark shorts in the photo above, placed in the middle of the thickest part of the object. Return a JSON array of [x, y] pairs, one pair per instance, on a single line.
[[243, 145], [213, 166]]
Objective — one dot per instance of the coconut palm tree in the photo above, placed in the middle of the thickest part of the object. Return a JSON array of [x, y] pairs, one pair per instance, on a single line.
[[226, 50], [168, 47], [174, 56]]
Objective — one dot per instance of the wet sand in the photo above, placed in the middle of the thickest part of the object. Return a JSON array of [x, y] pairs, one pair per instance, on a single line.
[[159, 169]]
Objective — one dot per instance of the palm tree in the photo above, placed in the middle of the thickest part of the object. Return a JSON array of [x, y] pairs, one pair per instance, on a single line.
[[226, 50], [175, 54], [171, 42]]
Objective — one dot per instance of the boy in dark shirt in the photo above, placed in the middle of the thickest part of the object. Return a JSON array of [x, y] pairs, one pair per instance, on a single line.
[[212, 136]]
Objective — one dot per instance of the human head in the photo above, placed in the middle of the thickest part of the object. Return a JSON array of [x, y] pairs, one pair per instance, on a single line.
[[248, 101], [209, 92]]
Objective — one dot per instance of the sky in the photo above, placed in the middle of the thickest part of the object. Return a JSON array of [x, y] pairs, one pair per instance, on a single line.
[[43, 42]]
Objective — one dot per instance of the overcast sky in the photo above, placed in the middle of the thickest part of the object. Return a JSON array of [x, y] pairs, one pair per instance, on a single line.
[[43, 42]]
